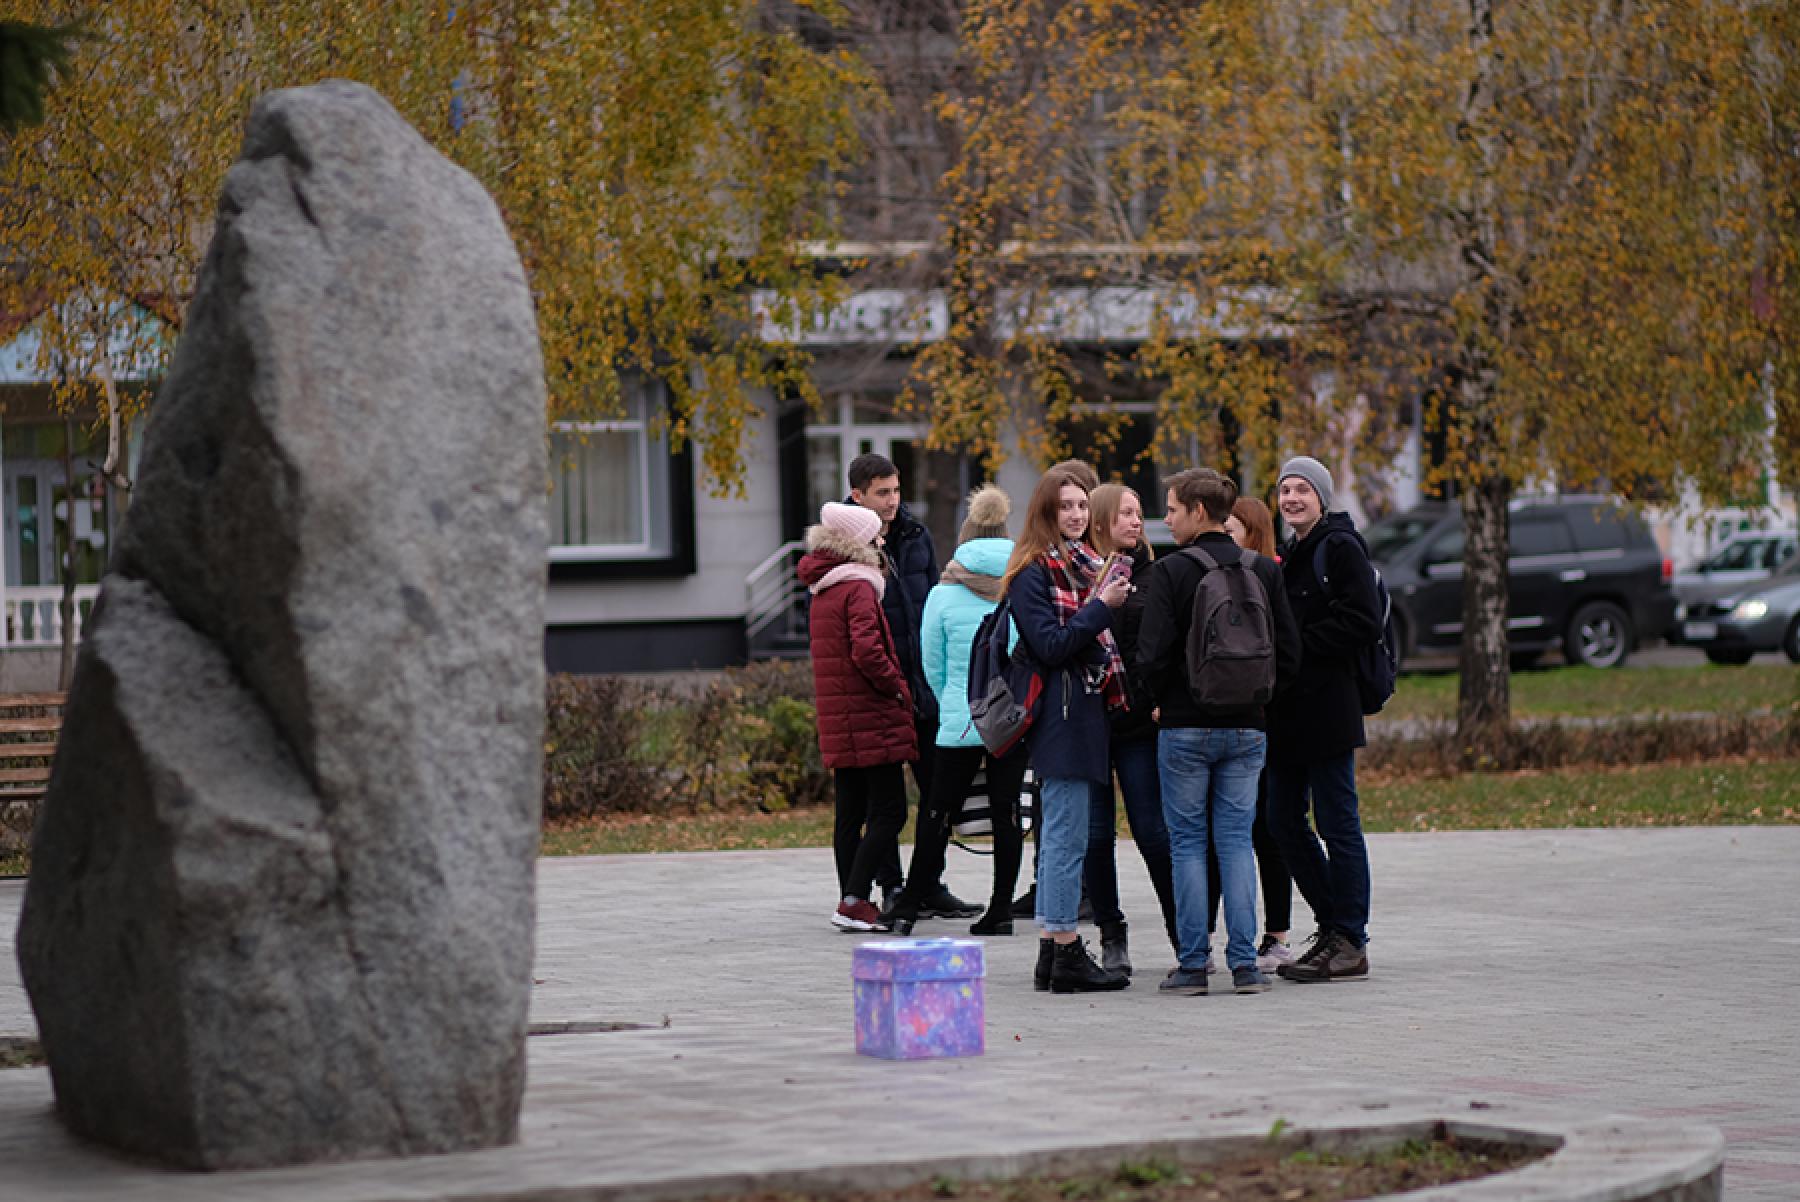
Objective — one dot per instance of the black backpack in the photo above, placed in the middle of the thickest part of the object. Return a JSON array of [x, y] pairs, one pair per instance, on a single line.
[[1003, 691], [1378, 664], [1231, 639]]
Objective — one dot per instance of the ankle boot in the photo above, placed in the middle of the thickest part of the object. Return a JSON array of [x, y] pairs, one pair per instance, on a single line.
[[1026, 905], [1115, 955], [1073, 971], [997, 921], [1040, 977]]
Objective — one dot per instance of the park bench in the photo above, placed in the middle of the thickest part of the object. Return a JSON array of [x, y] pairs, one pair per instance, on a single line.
[[29, 725]]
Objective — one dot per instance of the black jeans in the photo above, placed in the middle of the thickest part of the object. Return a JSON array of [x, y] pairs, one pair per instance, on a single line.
[[887, 872], [1277, 885], [956, 769], [875, 798]]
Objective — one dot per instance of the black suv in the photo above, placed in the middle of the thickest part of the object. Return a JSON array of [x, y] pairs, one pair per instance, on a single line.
[[1585, 576]]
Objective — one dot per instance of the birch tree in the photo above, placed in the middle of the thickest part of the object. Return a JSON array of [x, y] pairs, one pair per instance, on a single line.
[[651, 160]]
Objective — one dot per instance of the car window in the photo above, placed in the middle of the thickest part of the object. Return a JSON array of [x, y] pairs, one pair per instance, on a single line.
[[1447, 549], [1735, 557], [1546, 535], [1597, 527], [1390, 536], [1780, 550]]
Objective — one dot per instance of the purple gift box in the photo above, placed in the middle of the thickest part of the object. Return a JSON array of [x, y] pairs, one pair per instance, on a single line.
[[917, 999]]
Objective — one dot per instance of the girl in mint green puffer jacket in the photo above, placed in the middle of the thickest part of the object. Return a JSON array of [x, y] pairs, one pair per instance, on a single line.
[[967, 592]]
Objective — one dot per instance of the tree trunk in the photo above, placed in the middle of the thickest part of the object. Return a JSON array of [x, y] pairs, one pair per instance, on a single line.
[[68, 553], [1484, 702], [943, 499]]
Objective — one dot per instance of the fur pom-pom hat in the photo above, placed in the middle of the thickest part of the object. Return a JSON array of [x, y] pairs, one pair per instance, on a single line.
[[852, 521], [988, 510]]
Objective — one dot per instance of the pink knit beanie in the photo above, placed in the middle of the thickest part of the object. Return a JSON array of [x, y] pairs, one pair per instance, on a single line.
[[851, 521]]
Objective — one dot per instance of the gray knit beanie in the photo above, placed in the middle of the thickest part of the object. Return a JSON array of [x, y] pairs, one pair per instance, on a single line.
[[1314, 473]]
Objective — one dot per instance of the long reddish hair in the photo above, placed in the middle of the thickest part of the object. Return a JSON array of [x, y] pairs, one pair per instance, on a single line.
[[1041, 529], [1259, 527]]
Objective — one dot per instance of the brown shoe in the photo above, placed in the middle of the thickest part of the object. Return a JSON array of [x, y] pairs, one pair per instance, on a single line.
[[1336, 960]]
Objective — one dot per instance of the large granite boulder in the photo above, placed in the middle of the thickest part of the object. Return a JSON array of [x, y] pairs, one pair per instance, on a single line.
[[281, 897]]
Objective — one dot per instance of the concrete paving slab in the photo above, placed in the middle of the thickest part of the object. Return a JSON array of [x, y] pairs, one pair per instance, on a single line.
[[1558, 976]]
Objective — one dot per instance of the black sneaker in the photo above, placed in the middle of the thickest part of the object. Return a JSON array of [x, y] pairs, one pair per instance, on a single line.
[[1249, 979], [1182, 983], [1040, 976], [945, 904], [1072, 970]]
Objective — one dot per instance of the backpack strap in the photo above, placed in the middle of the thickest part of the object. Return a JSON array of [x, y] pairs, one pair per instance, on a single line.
[[1202, 555], [1319, 565]]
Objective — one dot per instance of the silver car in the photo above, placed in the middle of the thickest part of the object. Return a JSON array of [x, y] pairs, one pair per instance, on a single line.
[[1732, 622]]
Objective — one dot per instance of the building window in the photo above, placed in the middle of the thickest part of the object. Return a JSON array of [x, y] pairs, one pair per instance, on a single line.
[[610, 485]]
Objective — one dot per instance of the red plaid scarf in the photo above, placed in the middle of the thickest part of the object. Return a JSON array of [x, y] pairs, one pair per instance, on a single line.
[[1073, 567]]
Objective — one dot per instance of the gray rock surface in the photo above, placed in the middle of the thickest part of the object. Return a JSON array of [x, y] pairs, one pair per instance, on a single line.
[[281, 902]]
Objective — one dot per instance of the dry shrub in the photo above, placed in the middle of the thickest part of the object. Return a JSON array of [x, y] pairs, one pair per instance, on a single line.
[[1435, 751], [593, 763], [746, 739]]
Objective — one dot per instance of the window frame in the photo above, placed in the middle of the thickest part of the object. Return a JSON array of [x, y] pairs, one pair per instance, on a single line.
[[642, 560]]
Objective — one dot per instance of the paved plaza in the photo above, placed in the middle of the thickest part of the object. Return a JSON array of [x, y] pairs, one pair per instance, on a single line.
[[1580, 973]]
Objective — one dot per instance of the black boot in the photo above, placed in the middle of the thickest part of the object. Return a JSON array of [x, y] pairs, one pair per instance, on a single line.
[[1115, 954], [1073, 971], [1040, 977], [1026, 905], [997, 921]]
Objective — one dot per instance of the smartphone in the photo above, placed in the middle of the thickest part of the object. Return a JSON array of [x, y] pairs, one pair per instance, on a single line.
[[1116, 567]]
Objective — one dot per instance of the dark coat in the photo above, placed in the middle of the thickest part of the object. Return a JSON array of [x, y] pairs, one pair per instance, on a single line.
[[913, 566], [1071, 739], [1321, 715], [864, 704], [1136, 722], [1168, 617]]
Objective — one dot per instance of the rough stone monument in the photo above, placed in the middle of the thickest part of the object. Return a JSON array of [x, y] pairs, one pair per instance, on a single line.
[[281, 896]]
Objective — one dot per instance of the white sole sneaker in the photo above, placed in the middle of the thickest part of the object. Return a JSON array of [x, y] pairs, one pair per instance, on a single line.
[[1275, 957]]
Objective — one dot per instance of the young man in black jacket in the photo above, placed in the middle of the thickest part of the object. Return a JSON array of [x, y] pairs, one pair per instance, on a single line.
[[1316, 726], [912, 571], [1209, 759]]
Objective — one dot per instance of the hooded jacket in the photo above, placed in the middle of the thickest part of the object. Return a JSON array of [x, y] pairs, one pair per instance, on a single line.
[[1321, 715], [953, 612], [864, 703]]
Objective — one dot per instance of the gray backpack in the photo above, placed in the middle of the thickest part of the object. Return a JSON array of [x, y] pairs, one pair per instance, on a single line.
[[1231, 641]]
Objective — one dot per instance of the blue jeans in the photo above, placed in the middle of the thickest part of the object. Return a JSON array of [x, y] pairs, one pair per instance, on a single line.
[[1134, 761], [1335, 885], [1062, 845], [1209, 795]]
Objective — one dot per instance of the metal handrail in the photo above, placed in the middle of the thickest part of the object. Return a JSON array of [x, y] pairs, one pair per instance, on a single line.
[[771, 589]]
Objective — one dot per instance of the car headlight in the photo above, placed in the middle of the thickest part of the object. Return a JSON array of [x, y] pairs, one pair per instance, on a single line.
[[1749, 611]]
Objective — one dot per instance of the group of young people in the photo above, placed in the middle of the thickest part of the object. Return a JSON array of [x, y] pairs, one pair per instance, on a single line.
[[1221, 786]]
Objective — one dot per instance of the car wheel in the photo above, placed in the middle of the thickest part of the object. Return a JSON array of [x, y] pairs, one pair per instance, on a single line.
[[1790, 642], [1600, 636], [1736, 659]]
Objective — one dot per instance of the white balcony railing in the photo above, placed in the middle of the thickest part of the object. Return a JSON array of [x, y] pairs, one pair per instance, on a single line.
[[34, 613]]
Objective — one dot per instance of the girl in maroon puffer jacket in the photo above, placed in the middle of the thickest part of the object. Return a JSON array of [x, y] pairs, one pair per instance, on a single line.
[[865, 709]]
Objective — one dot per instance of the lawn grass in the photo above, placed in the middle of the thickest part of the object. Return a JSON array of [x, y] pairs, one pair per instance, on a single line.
[[1582, 692], [1765, 793], [632, 834], [1714, 794]]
